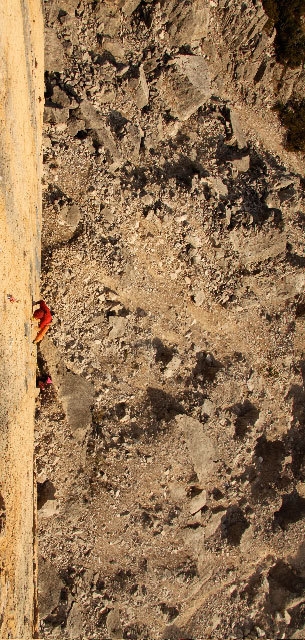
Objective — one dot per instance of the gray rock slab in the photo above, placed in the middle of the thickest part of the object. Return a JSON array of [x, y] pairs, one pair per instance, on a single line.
[[237, 132], [198, 502], [132, 141], [54, 55], [202, 448], [139, 89], [101, 133], [185, 85], [188, 24], [114, 626], [74, 125], [75, 621], [213, 524], [50, 586], [54, 115], [59, 97], [75, 392], [129, 6]]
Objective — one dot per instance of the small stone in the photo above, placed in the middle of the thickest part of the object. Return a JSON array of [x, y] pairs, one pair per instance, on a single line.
[[118, 326], [273, 201], [172, 367], [213, 524], [198, 502], [74, 125], [53, 115], [71, 215], [115, 48], [190, 25], [207, 407], [199, 298], [129, 6], [228, 216]]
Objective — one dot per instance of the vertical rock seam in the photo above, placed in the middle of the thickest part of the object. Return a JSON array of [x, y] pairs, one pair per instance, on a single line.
[[21, 109]]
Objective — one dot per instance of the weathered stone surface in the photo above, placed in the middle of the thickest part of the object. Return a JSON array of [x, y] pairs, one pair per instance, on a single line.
[[75, 621], [101, 133], [50, 586], [188, 22], [132, 141], [115, 48], [118, 326], [258, 249], [139, 90], [185, 85], [238, 137], [198, 502], [114, 626], [53, 8], [60, 98], [242, 164], [54, 55], [74, 125], [55, 116], [109, 16], [207, 407], [213, 524], [69, 219], [201, 448], [75, 392], [129, 6]]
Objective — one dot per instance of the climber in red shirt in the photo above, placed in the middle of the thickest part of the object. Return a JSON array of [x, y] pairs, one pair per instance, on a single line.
[[44, 315]]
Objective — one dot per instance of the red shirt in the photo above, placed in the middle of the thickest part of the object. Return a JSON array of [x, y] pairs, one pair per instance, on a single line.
[[43, 314]]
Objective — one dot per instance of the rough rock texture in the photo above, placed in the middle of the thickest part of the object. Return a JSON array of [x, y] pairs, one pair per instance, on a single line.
[[178, 512], [21, 102]]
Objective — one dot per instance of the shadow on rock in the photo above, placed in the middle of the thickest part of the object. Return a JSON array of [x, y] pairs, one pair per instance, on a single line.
[[292, 510], [206, 368], [246, 415], [233, 525], [163, 406], [284, 584], [268, 455]]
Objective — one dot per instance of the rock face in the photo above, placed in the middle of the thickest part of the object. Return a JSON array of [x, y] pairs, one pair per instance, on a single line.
[[170, 446], [21, 104]]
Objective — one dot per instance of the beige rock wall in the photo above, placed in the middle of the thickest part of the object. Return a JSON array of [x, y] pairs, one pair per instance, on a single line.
[[21, 102]]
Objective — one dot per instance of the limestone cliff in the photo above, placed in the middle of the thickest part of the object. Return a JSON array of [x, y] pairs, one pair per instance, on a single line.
[[21, 101]]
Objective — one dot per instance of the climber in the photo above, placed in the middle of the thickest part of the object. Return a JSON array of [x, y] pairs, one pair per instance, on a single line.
[[44, 315]]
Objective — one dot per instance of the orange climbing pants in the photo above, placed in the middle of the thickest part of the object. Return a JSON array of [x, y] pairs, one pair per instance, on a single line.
[[42, 333]]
